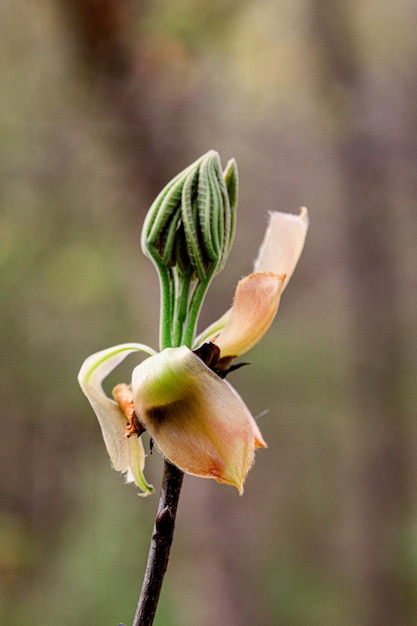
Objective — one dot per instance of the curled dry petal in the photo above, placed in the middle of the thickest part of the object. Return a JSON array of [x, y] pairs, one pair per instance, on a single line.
[[283, 243], [255, 305], [279, 254], [126, 454], [197, 420]]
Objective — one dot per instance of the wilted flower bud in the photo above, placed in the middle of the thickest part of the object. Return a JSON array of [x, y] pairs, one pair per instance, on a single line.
[[196, 419]]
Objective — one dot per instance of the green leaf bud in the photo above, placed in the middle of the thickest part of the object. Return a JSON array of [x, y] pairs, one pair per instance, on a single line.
[[191, 222]]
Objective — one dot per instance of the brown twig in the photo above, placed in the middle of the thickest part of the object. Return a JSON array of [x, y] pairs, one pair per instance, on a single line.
[[160, 547]]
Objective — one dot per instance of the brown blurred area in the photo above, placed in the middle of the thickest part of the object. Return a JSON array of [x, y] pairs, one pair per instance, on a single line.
[[101, 102]]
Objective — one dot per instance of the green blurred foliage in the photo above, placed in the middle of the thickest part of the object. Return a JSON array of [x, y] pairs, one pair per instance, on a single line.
[[240, 77]]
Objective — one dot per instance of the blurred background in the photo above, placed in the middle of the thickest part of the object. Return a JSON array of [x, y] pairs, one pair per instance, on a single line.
[[101, 103]]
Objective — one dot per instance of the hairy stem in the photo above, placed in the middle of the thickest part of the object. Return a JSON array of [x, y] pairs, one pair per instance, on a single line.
[[160, 547], [167, 306], [194, 308]]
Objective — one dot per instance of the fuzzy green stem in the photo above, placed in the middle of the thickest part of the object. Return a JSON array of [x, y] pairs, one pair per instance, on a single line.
[[194, 309], [184, 287], [167, 305]]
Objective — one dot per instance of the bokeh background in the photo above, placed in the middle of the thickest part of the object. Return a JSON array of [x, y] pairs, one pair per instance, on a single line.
[[101, 103]]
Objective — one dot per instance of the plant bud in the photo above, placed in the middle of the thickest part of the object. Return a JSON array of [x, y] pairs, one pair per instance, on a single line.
[[197, 420], [191, 223]]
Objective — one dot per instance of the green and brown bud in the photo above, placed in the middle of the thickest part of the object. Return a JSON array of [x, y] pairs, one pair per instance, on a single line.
[[196, 419]]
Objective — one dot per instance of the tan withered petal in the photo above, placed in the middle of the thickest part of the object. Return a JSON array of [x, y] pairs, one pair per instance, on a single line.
[[283, 243], [254, 307], [279, 253], [127, 454], [195, 418]]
